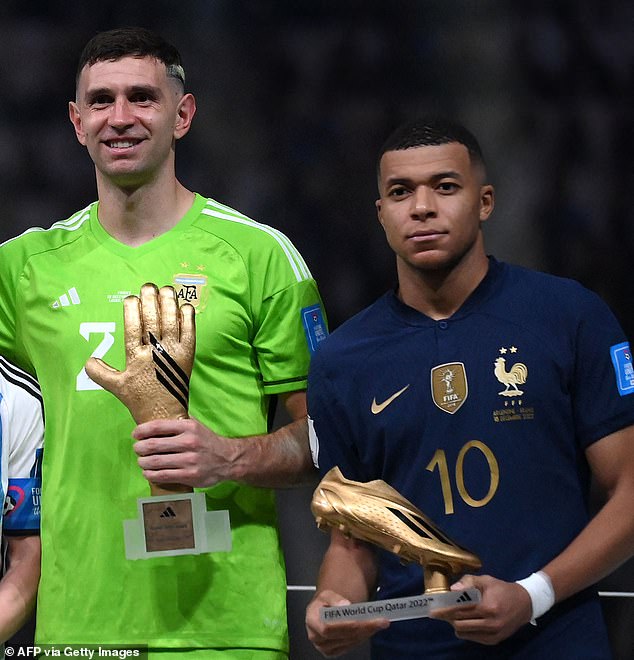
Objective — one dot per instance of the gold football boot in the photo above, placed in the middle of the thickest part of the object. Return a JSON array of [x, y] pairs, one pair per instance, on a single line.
[[373, 511]]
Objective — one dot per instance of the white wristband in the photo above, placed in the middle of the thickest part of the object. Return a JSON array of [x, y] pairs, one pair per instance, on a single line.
[[541, 591]]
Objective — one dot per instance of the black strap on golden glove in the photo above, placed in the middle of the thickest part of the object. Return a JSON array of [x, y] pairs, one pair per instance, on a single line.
[[160, 342]]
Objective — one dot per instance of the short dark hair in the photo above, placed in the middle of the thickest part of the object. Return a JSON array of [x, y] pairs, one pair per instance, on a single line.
[[432, 131], [114, 44]]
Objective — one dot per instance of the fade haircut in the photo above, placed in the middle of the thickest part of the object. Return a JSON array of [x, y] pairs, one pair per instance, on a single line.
[[433, 131], [112, 45]]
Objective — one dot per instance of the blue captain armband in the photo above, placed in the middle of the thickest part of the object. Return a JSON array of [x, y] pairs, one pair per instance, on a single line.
[[22, 505]]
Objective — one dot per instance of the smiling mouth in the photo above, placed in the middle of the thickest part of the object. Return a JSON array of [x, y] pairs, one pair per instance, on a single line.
[[121, 144]]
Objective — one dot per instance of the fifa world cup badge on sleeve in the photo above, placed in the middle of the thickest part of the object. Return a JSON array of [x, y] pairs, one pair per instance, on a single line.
[[374, 512], [314, 326], [160, 342], [623, 368]]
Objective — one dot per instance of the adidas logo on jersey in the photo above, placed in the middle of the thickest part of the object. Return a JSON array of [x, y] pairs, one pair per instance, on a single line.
[[67, 299]]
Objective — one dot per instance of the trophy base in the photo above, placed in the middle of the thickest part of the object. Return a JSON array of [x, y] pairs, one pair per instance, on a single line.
[[436, 580], [176, 524], [400, 609]]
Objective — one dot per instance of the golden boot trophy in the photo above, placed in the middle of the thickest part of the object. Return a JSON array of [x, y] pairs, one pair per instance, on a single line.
[[375, 512]]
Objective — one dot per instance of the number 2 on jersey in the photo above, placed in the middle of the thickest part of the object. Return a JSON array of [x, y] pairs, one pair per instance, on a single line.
[[87, 329]]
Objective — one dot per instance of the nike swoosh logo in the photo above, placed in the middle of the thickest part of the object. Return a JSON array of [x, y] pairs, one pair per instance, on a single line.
[[376, 408]]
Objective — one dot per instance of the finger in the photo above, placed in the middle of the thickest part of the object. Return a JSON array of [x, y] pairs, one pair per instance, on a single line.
[[170, 477], [162, 428], [452, 614], [357, 629], [103, 374], [168, 453], [339, 638], [150, 312], [168, 461], [159, 447], [472, 626], [188, 330], [133, 328], [475, 631], [465, 582], [169, 314]]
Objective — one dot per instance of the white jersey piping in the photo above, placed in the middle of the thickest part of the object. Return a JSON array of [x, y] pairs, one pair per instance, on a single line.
[[296, 261]]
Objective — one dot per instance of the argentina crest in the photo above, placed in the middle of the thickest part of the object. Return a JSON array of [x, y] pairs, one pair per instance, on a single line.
[[191, 289], [449, 386]]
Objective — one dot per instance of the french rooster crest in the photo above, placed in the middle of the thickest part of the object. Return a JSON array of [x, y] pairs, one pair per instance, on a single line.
[[510, 379]]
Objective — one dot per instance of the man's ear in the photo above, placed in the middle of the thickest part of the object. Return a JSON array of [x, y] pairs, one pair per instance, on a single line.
[[75, 119], [184, 115], [487, 202], [378, 212]]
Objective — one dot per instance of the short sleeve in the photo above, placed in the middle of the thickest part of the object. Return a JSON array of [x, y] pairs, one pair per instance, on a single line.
[[331, 437], [291, 325], [603, 386]]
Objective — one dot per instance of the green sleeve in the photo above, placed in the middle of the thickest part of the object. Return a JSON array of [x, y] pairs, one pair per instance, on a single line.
[[284, 340]]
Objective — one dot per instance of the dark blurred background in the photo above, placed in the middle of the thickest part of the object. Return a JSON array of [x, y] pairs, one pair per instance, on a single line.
[[294, 100]]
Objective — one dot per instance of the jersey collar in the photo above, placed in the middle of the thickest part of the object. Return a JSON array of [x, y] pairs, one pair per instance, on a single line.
[[123, 250], [481, 293]]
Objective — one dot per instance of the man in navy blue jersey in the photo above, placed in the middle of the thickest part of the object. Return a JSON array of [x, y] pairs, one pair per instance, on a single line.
[[488, 395]]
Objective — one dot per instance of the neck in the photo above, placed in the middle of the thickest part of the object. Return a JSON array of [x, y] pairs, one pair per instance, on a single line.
[[137, 215], [440, 293]]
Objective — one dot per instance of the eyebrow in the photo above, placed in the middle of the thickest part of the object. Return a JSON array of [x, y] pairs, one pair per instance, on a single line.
[[436, 176], [150, 90]]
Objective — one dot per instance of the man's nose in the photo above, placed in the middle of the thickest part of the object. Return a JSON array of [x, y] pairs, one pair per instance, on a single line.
[[423, 202], [121, 114]]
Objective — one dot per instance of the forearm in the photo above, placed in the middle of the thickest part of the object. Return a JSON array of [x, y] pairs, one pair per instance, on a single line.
[[277, 460], [608, 539], [185, 451], [348, 574], [280, 459], [18, 587], [603, 545], [349, 569]]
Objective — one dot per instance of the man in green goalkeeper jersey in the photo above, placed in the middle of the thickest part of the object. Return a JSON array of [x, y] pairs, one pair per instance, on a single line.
[[258, 318]]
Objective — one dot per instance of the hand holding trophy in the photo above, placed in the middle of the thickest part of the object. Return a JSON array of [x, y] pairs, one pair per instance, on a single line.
[[160, 342], [375, 512]]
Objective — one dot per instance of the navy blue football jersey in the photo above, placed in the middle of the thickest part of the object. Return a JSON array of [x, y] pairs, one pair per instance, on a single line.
[[481, 420]]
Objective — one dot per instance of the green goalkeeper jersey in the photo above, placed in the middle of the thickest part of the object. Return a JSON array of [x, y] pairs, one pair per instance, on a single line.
[[258, 317]]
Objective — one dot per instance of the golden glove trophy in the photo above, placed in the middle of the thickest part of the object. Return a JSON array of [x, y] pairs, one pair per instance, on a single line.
[[160, 342], [375, 512]]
